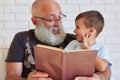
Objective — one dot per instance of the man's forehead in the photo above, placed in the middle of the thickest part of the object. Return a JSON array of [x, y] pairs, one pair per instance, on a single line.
[[50, 12], [55, 13], [46, 8]]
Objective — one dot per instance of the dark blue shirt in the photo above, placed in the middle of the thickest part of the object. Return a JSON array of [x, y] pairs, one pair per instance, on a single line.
[[21, 49]]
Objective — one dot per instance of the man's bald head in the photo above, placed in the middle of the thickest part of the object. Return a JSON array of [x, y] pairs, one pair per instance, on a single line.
[[44, 7]]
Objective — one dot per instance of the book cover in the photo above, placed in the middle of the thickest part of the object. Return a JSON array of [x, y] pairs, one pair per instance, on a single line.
[[62, 65]]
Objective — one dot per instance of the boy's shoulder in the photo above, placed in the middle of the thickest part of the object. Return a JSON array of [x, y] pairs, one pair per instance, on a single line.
[[99, 46]]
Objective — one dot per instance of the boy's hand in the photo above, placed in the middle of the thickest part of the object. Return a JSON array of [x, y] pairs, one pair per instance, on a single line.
[[88, 40], [85, 42]]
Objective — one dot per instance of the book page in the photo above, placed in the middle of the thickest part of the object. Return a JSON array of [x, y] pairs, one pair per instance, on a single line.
[[78, 50], [49, 61], [50, 47], [67, 65]]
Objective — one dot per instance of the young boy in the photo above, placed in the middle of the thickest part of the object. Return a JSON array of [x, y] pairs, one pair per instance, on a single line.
[[89, 24]]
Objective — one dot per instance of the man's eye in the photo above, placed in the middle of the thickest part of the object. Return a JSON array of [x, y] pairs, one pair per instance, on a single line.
[[60, 17], [77, 27], [51, 19]]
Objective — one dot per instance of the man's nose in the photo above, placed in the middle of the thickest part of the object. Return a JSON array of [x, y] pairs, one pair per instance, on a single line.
[[57, 22]]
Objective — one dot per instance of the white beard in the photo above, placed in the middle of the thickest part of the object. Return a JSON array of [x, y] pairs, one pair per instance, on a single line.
[[46, 35]]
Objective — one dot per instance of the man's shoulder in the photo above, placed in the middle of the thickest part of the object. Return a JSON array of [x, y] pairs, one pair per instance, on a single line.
[[25, 33], [70, 36]]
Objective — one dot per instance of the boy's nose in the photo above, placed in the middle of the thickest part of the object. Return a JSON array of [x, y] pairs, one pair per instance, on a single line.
[[74, 30]]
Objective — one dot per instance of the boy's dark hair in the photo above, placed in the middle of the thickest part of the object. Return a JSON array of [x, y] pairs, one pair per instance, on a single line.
[[92, 18]]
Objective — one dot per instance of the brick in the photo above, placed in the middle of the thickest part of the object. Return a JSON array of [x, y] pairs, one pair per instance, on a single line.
[[118, 16], [7, 17], [118, 64], [110, 28], [69, 26], [109, 16], [115, 56], [114, 48], [1, 44], [92, 7], [9, 2], [100, 38], [114, 71], [22, 9], [16, 25], [30, 25], [113, 39], [9, 9], [1, 25], [1, 9], [70, 8], [71, 16], [0, 55], [3, 54], [22, 25], [78, 2], [7, 42], [26, 2], [112, 8], [16, 9], [23, 17], [113, 78], [61, 1], [10, 25], [117, 27], [2, 71], [2, 2], [118, 1], [109, 32], [118, 32], [19, 30], [7, 33], [104, 2]]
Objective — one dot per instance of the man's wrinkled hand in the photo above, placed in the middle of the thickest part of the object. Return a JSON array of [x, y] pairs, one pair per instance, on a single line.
[[94, 77], [37, 75]]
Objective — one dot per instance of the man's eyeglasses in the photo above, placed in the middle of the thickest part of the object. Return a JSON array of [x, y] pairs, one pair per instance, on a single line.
[[52, 19]]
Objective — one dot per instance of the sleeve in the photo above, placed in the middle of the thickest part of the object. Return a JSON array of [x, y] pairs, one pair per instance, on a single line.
[[103, 53], [71, 46], [16, 50]]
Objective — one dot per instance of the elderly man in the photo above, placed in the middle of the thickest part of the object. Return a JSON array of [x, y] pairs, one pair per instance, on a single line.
[[46, 16]]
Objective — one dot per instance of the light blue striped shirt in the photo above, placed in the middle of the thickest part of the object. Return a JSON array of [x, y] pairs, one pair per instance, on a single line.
[[102, 50]]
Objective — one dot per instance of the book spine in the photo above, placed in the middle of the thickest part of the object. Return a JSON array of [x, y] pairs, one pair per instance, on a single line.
[[64, 67]]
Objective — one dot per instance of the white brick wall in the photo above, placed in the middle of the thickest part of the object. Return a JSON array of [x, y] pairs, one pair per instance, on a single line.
[[15, 16]]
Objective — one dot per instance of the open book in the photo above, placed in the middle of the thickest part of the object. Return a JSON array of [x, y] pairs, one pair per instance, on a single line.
[[62, 65]]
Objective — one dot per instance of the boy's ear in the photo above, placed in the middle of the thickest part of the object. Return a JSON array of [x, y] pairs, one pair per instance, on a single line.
[[92, 31]]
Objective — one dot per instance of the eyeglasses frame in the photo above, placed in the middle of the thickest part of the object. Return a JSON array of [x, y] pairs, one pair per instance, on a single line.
[[50, 20]]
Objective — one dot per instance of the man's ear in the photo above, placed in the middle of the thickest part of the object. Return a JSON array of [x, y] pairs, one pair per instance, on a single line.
[[34, 21]]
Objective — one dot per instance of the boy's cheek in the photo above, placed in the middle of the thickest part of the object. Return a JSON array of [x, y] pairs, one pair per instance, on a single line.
[[79, 38]]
